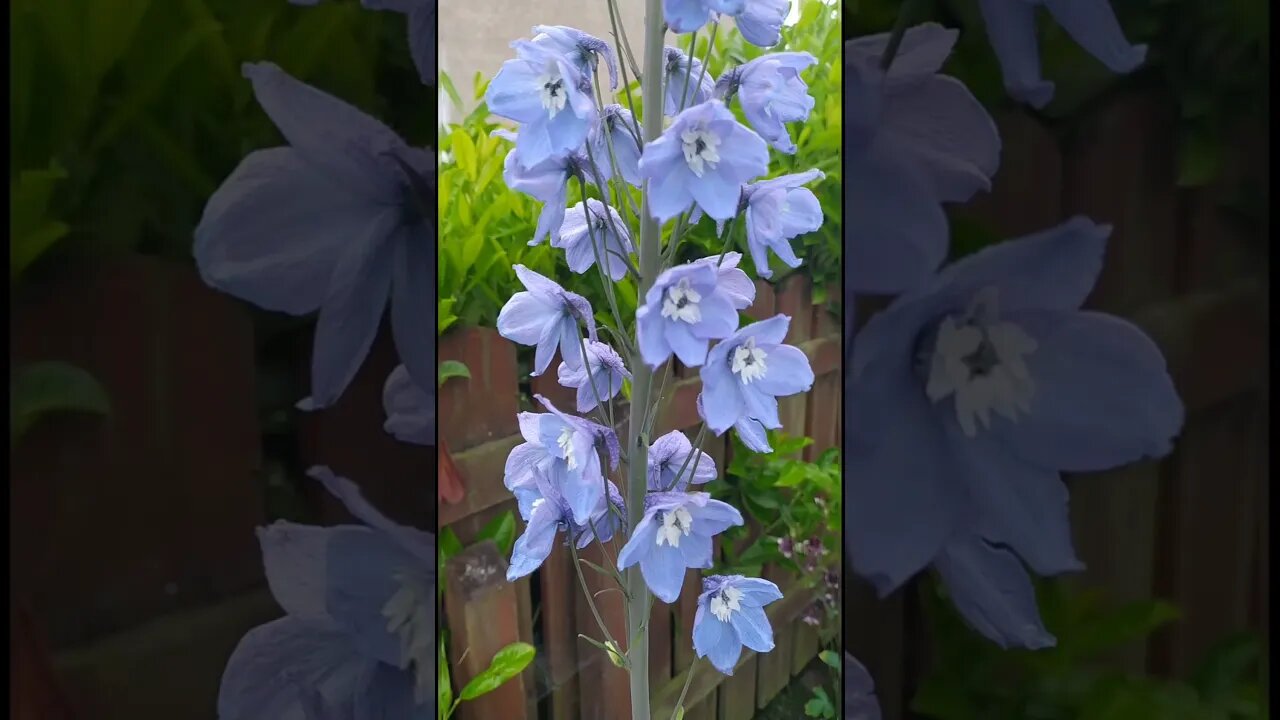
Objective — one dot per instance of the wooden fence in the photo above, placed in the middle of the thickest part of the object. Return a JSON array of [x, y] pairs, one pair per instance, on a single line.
[[1191, 529], [571, 678]]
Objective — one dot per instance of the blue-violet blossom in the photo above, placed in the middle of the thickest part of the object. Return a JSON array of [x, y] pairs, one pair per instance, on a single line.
[[562, 447], [913, 140], [778, 210], [668, 454], [772, 94], [686, 16], [972, 394], [598, 223], [546, 512], [1011, 28], [411, 411], [760, 21], [599, 380], [687, 307], [334, 222], [547, 93], [546, 315], [730, 615], [693, 84], [579, 48], [616, 130], [703, 158], [747, 372], [673, 536]]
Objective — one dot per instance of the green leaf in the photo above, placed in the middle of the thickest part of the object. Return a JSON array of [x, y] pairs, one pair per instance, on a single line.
[[792, 476], [830, 658], [1199, 159], [444, 693], [48, 387], [1225, 666], [452, 369], [680, 712], [447, 83], [502, 531], [509, 662]]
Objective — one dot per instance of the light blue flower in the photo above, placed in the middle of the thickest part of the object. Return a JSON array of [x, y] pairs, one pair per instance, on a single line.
[[686, 16], [673, 536], [1011, 28], [694, 85], [702, 159], [730, 615], [750, 431], [546, 316], [546, 513], [617, 128], [411, 411], [760, 21], [600, 222], [359, 629], [668, 454], [336, 221], [860, 701], [599, 380], [580, 48], [973, 394], [688, 306], [747, 372], [778, 210], [548, 95], [548, 182], [913, 140], [772, 94], [563, 448]]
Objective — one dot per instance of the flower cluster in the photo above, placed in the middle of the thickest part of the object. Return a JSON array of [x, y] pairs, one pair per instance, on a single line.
[[340, 222], [981, 382], [706, 162]]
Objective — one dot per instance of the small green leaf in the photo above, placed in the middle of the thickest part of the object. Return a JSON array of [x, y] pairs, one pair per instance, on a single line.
[[47, 387], [830, 658], [680, 712], [509, 662], [452, 369], [444, 693], [502, 531], [447, 83]]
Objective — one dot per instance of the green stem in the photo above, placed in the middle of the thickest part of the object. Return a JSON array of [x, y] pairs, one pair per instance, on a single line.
[[649, 250], [688, 678]]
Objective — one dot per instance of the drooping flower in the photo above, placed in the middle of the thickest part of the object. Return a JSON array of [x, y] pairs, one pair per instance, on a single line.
[[359, 629], [546, 316], [750, 431], [673, 536], [1011, 28], [562, 447], [599, 380], [860, 702], [746, 373], [692, 83], [336, 221], [579, 48], [685, 309], [616, 130], [778, 210], [548, 181], [760, 21], [730, 615], [913, 140], [546, 93], [772, 94], [702, 159], [596, 230], [411, 411], [975, 392], [669, 455], [686, 16], [546, 513]]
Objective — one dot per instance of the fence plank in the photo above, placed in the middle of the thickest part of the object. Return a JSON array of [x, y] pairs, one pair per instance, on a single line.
[[481, 608], [874, 633], [483, 407], [605, 690], [560, 598], [775, 666]]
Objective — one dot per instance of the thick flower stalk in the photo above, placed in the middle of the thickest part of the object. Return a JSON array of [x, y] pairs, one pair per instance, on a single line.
[[576, 129]]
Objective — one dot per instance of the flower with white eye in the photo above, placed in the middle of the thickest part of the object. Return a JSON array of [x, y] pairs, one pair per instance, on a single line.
[[674, 535], [746, 374]]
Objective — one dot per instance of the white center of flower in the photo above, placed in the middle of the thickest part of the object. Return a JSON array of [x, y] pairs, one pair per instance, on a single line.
[[551, 90], [565, 442], [748, 361], [681, 303], [409, 615], [674, 524], [982, 362], [725, 603], [701, 149]]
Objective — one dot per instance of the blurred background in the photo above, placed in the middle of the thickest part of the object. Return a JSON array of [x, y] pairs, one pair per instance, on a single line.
[[153, 420], [1171, 617]]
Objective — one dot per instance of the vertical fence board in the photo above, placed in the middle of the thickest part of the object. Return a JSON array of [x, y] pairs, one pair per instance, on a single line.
[[605, 688], [775, 666], [481, 607], [560, 598]]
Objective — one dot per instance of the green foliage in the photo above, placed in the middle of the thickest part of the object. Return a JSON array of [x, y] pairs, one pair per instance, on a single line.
[[42, 388], [451, 369], [820, 705], [485, 226], [974, 679], [127, 114], [509, 662]]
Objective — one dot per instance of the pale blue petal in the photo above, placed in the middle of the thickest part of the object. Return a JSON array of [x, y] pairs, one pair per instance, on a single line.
[[788, 372], [664, 570], [993, 593], [413, 307], [753, 628], [1011, 28], [1093, 24]]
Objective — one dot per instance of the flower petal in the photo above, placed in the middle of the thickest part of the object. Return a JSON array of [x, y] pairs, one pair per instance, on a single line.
[[534, 545], [716, 641], [413, 308], [1011, 28], [293, 556], [753, 628], [421, 545], [788, 372], [1093, 24], [411, 412], [993, 593], [664, 570], [362, 570]]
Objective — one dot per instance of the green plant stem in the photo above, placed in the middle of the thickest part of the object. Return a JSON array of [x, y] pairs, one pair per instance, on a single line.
[[586, 592], [642, 377], [688, 678]]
